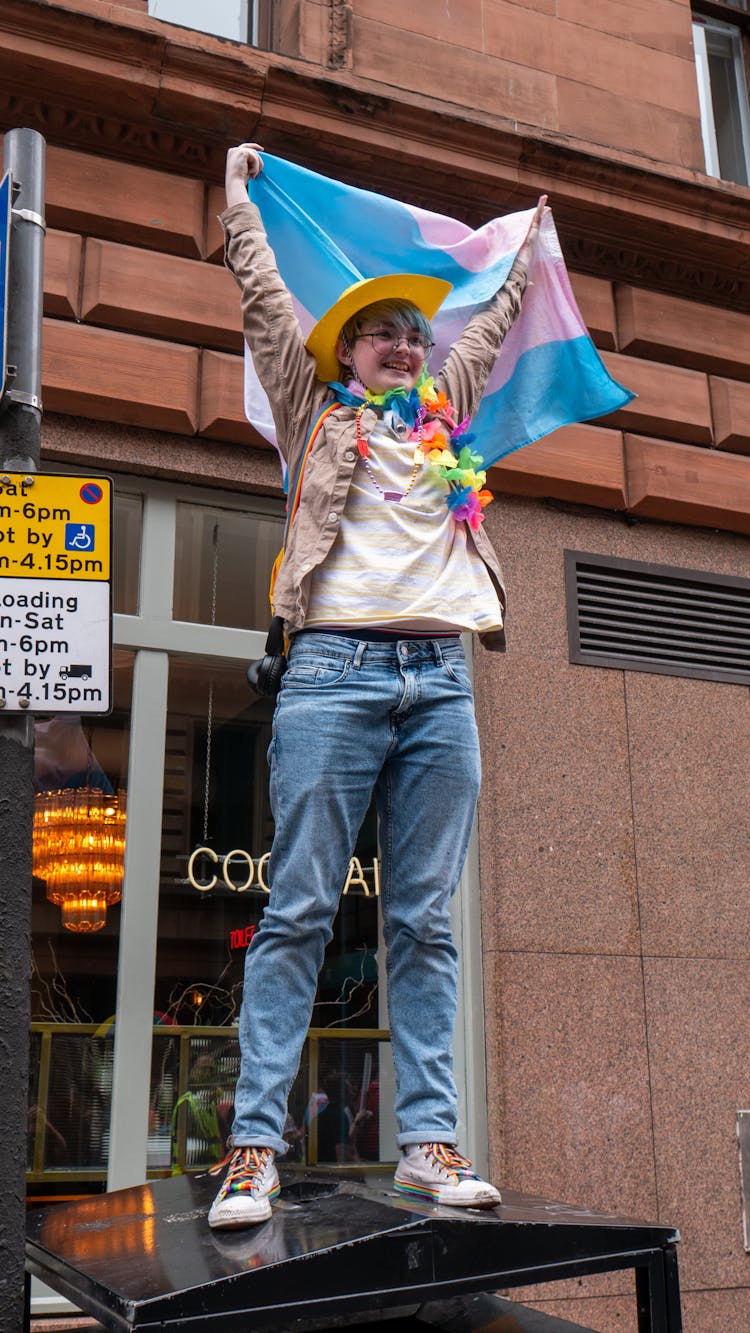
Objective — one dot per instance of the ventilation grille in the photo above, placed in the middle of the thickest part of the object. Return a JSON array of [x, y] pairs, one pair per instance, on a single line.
[[679, 622]]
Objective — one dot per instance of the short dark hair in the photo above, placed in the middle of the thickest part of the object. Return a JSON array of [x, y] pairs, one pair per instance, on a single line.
[[403, 315]]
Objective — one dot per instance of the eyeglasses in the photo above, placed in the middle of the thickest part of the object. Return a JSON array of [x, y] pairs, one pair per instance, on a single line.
[[383, 341]]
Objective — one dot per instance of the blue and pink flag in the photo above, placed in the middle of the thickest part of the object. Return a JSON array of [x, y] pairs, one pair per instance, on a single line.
[[327, 235]]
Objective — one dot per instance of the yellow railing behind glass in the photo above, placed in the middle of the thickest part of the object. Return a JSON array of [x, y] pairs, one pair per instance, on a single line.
[[194, 1070]]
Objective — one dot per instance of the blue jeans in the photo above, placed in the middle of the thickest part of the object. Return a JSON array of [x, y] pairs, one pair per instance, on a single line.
[[352, 718]]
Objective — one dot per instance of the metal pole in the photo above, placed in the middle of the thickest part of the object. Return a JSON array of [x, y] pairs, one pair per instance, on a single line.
[[21, 423], [20, 436]]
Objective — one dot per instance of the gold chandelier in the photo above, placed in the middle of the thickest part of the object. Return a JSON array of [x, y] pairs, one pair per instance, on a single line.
[[79, 849]]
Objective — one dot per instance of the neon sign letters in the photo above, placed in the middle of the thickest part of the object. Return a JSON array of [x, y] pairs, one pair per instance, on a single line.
[[255, 872], [240, 939]]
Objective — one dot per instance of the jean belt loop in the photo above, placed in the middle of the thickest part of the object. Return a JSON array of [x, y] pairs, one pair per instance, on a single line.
[[438, 652], [361, 649]]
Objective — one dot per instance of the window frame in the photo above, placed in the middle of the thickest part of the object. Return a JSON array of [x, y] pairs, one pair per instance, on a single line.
[[725, 12], [732, 23], [256, 20]]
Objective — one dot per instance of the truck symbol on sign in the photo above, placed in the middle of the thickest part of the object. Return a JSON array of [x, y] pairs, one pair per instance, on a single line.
[[76, 671]]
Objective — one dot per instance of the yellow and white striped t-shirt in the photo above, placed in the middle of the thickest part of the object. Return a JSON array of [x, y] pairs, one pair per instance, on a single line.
[[401, 566]]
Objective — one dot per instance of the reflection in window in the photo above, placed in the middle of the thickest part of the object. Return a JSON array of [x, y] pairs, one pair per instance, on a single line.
[[722, 91], [216, 797], [223, 563], [224, 18], [126, 546], [74, 973]]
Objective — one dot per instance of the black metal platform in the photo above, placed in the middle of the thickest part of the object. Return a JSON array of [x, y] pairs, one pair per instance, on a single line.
[[337, 1252]]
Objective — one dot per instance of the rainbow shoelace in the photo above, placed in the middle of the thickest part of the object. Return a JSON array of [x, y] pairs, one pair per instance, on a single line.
[[246, 1167], [445, 1154]]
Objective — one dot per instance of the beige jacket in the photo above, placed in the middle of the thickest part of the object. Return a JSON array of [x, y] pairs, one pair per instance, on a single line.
[[287, 372]]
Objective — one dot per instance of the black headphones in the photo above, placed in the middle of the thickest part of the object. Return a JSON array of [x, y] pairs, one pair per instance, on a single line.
[[264, 674]]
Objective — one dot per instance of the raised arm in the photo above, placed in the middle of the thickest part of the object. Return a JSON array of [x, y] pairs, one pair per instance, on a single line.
[[283, 365], [244, 163], [469, 363], [526, 252]]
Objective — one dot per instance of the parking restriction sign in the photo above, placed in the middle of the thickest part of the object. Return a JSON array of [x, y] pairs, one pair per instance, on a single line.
[[55, 593]]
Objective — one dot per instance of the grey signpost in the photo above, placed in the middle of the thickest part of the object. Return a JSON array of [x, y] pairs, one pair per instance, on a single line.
[[6, 200], [20, 435], [55, 539]]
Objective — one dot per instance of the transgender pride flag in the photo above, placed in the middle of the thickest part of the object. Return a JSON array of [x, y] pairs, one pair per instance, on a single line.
[[327, 235]]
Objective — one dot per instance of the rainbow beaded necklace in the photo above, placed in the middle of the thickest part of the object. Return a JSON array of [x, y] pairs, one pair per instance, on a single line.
[[439, 439]]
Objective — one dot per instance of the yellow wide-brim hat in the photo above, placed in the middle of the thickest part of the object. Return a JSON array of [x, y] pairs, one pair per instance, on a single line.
[[427, 294]]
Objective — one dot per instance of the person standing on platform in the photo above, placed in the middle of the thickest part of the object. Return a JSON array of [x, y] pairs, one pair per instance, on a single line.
[[386, 565]]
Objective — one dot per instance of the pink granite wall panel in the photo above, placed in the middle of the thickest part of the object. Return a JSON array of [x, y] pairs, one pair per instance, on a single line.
[[614, 837]]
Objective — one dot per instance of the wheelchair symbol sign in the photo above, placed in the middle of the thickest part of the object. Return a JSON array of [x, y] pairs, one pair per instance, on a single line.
[[79, 536]]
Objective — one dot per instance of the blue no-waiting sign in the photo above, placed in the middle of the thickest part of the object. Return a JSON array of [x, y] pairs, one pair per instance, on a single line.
[[6, 209]]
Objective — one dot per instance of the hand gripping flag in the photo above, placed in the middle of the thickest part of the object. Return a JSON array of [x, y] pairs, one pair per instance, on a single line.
[[327, 235]]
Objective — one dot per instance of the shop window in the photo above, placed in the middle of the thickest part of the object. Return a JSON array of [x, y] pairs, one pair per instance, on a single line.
[[81, 777], [126, 545], [224, 557], [134, 1052], [720, 38], [80, 824], [123, 1088], [241, 20], [217, 832]]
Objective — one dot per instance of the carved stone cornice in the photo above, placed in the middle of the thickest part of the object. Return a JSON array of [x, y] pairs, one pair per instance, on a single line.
[[147, 145], [658, 272], [171, 99], [340, 34]]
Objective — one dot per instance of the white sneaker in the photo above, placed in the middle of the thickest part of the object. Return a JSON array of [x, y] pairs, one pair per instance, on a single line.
[[436, 1171], [250, 1186]]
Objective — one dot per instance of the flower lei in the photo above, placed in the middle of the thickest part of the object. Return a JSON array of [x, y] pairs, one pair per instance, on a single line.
[[443, 439]]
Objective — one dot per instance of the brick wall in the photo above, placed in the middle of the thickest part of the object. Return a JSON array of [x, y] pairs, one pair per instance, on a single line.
[[142, 322], [613, 74], [143, 329]]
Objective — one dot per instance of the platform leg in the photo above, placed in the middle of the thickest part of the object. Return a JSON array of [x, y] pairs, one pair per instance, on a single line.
[[658, 1294], [27, 1303], [672, 1290]]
